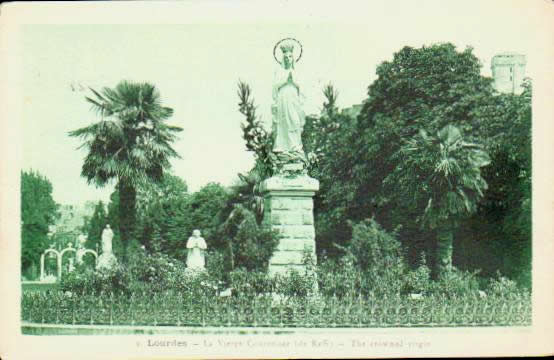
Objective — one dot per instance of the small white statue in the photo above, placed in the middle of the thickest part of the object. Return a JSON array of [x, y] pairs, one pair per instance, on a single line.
[[81, 239], [107, 259], [107, 236], [196, 247]]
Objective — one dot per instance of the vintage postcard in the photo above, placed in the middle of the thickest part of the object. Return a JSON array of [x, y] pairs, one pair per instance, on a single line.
[[211, 179]]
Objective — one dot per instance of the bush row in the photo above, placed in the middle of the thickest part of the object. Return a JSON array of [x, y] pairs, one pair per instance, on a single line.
[[372, 265], [157, 273]]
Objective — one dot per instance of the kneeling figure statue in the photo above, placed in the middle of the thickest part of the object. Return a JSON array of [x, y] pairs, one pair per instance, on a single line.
[[196, 247]]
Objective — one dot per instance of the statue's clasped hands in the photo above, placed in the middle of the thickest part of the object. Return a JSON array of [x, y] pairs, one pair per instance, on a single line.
[[289, 79], [291, 82]]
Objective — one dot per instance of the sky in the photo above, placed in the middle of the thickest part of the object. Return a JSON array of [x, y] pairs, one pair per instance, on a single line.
[[197, 66]]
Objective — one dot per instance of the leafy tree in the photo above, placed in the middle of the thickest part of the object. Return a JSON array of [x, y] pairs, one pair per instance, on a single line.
[[503, 218], [170, 187], [203, 212], [38, 212], [94, 227], [162, 212], [246, 192], [258, 140], [319, 130], [167, 214], [131, 144], [331, 162], [427, 89], [420, 89]]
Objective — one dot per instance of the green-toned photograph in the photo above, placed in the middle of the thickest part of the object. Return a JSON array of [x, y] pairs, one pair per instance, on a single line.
[[275, 178]]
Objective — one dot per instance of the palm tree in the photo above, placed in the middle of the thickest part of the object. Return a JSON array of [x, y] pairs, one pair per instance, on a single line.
[[442, 173], [131, 144]]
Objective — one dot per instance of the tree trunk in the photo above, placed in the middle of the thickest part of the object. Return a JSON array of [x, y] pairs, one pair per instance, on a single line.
[[231, 255], [127, 215], [445, 239]]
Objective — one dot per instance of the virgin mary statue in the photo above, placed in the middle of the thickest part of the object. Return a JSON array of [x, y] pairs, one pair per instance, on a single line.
[[288, 116]]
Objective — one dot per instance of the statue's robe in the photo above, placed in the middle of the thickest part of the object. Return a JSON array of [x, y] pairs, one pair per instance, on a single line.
[[288, 115]]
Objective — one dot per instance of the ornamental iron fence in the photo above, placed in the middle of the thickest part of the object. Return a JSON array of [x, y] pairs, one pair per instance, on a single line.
[[173, 309]]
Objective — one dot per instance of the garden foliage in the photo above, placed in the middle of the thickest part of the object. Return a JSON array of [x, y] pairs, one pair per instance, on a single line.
[[439, 162], [433, 144], [38, 212], [250, 244]]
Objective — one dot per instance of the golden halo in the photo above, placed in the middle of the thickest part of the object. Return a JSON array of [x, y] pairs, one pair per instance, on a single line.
[[287, 39]]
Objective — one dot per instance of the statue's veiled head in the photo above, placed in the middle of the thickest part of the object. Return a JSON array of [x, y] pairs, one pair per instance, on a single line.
[[291, 52], [196, 233], [288, 55]]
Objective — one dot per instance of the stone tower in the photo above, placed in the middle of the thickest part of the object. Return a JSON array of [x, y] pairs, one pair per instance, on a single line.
[[508, 71]]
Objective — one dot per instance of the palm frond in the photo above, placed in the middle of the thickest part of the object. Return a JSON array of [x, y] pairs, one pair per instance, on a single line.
[[133, 144]]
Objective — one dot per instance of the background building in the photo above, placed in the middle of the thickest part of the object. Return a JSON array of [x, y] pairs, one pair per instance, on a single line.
[[508, 72], [69, 224]]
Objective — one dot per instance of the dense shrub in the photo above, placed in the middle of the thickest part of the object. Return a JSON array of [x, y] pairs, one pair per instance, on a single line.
[[155, 271], [86, 279], [455, 283], [502, 286], [375, 249], [295, 284], [339, 277], [145, 273], [378, 255], [372, 266], [216, 263], [245, 283], [251, 244], [419, 280]]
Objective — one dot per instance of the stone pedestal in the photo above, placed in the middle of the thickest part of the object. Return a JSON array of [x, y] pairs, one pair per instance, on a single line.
[[288, 207], [106, 261]]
